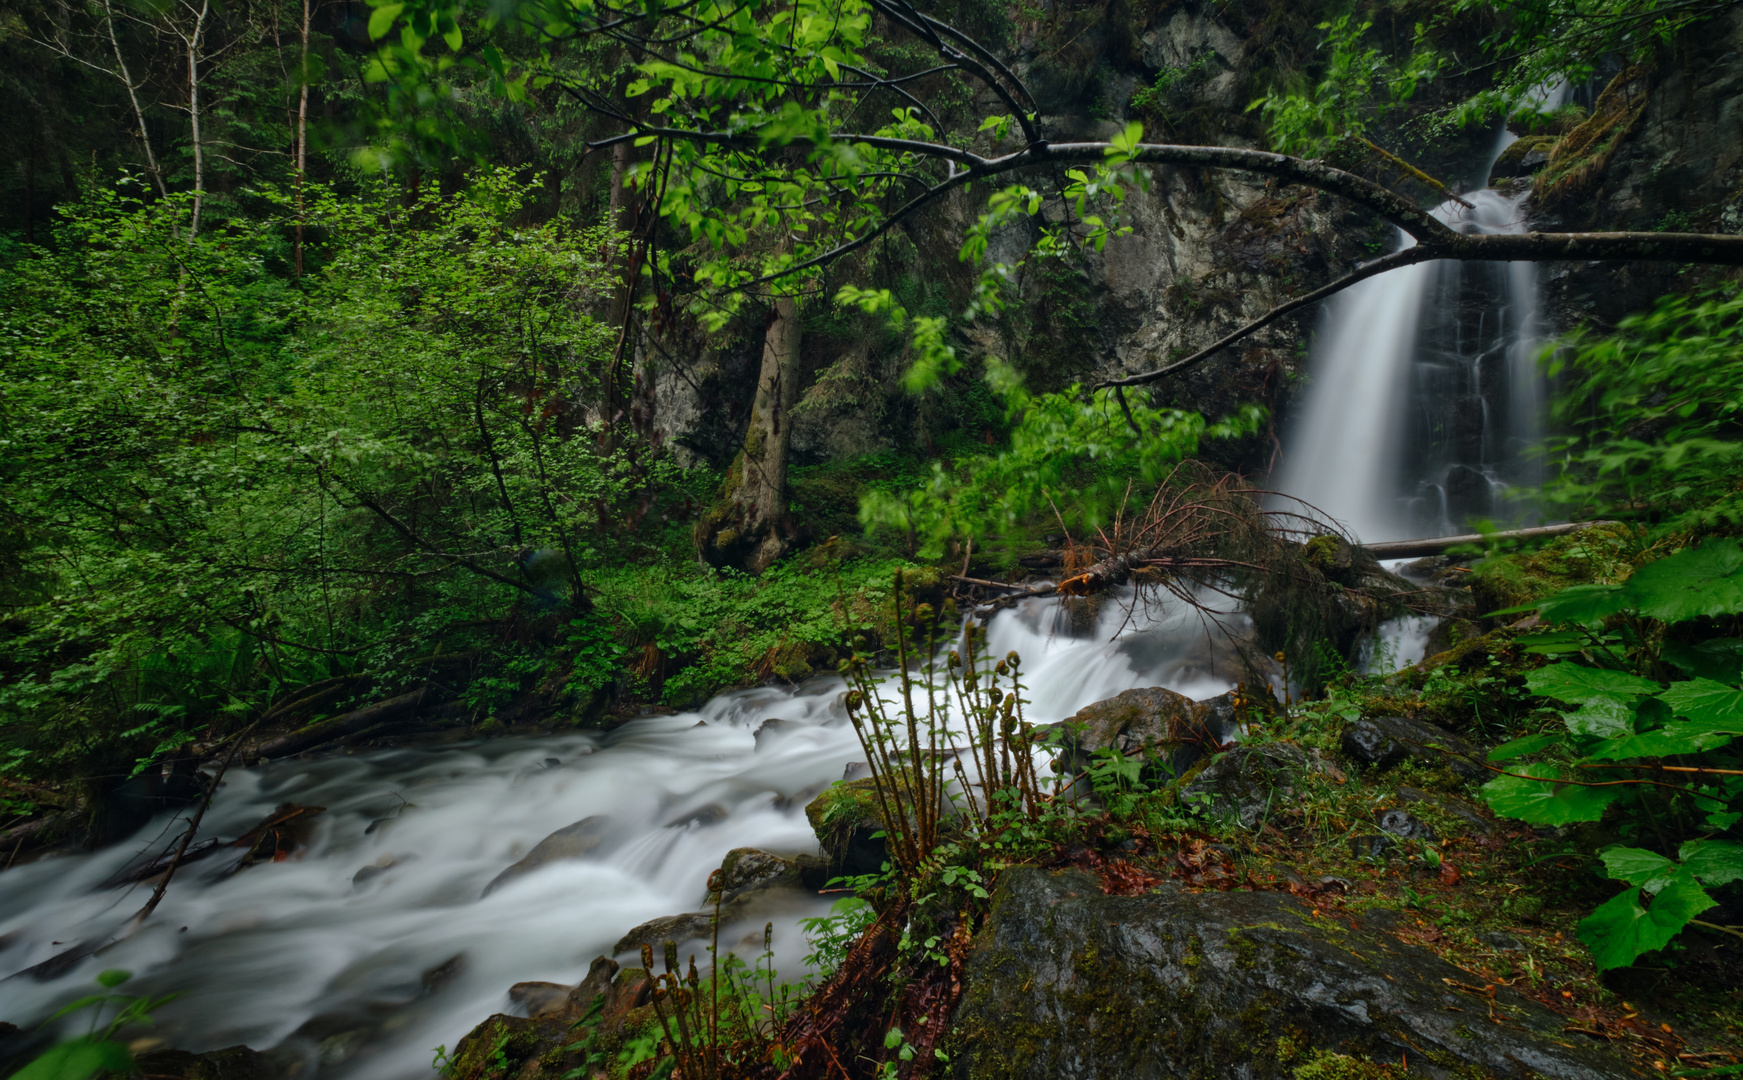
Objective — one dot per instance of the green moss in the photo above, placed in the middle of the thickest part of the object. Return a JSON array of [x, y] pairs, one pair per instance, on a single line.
[[1325, 1065]]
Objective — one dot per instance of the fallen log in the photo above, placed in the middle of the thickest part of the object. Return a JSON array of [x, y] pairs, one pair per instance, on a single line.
[[1434, 545], [340, 726]]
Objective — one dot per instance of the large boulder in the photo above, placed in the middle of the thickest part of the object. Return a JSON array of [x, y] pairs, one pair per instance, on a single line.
[[1065, 981], [848, 824]]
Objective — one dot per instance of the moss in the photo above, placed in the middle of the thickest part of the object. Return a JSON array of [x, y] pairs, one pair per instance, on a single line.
[[1325, 1065], [1581, 156], [1598, 554]]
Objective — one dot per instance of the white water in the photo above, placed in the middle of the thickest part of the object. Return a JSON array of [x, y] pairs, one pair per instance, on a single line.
[[258, 955], [1425, 400]]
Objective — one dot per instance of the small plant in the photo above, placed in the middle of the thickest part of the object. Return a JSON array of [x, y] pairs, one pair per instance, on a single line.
[[96, 1051]]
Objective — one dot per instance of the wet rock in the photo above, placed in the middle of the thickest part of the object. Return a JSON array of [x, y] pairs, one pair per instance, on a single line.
[[1452, 807], [702, 815], [678, 929], [1400, 824], [570, 842], [373, 870], [1250, 782], [439, 977], [1066, 981], [1384, 741], [745, 870], [540, 998], [1153, 721], [549, 1043], [1373, 846], [230, 1063], [846, 820]]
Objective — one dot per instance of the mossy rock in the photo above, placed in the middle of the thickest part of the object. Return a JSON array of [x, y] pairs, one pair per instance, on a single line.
[[1065, 980], [845, 817], [1601, 553], [1524, 157]]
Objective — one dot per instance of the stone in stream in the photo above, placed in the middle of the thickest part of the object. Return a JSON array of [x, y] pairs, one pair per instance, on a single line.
[[570, 842], [1384, 741], [1150, 721], [230, 1063], [1065, 981], [540, 998]]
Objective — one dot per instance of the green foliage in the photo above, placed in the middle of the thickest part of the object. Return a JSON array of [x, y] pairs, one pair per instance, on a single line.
[[1078, 457], [1652, 415], [97, 1051], [1626, 724], [1359, 86]]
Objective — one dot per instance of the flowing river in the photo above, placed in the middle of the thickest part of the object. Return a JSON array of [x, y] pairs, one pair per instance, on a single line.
[[363, 974]]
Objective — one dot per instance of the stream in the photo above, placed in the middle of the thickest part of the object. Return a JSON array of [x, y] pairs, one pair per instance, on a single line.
[[363, 975]]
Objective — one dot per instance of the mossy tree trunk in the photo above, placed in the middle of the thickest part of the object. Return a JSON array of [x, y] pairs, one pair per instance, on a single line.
[[750, 527]]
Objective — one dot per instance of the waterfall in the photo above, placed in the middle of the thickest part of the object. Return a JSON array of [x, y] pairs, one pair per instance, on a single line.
[[1424, 401]]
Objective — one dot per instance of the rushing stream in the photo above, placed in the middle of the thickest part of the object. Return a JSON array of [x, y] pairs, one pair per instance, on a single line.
[[363, 975]]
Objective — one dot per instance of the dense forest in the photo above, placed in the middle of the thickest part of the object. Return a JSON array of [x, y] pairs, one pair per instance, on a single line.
[[1248, 491]]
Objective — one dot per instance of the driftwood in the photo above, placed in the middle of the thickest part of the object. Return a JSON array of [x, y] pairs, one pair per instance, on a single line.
[[348, 724], [1434, 545]]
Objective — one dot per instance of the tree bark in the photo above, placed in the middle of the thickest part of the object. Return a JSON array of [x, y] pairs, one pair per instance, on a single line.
[[302, 135], [750, 527], [194, 40]]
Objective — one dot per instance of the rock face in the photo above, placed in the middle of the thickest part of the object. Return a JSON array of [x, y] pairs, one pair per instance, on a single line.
[[1249, 781], [569, 842], [1067, 982], [1385, 741]]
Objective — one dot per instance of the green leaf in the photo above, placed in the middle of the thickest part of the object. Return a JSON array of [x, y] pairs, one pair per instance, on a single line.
[[1566, 681], [1675, 739], [1638, 867], [1585, 604], [1715, 862], [1622, 929], [381, 20], [1526, 744], [1691, 583], [1719, 659], [1712, 706], [1546, 799], [112, 978], [1602, 718], [78, 1059]]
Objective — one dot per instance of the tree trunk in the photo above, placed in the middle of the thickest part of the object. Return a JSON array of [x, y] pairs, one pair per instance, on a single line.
[[195, 39], [302, 135], [126, 78], [750, 527]]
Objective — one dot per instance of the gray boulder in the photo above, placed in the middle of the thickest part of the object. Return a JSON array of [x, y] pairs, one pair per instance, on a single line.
[[1065, 981], [570, 842], [1153, 721], [1250, 782], [1383, 741]]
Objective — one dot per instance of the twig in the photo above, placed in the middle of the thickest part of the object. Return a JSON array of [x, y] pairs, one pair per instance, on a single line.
[[187, 837]]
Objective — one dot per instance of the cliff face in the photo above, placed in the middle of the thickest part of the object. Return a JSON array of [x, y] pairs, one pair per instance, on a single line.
[[1209, 251]]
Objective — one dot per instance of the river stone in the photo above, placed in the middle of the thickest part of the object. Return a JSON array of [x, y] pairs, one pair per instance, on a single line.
[[1150, 720], [540, 998], [1064, 981], [230, 1063], [1249, 782], [678, 929], [845, 818], [569, 842], [746, 870], [1384, 741]]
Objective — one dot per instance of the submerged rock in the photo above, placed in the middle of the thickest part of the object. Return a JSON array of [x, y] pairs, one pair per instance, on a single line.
[[1065, 981], [570, 842], [230, 1063], [1384, 741]]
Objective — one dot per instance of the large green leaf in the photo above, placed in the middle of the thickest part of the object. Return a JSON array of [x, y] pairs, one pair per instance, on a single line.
[[1711, 706], [1544, 799], [1638, 867], [1621, 929], [78, 1059], [1693, 582], [1602, 718], [1720, 659], [1566, 681], [1678, 738], [1715, 862], [1585, 604], [1525, 744]]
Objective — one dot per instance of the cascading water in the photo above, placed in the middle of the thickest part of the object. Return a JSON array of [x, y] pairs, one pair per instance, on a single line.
[[360, 975], [1425, 398]]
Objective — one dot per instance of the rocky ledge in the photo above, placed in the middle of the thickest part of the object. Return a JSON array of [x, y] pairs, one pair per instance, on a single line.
[[1065, 981]]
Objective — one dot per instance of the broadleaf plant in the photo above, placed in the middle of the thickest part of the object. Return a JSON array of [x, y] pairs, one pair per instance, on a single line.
[[1643, 729]]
